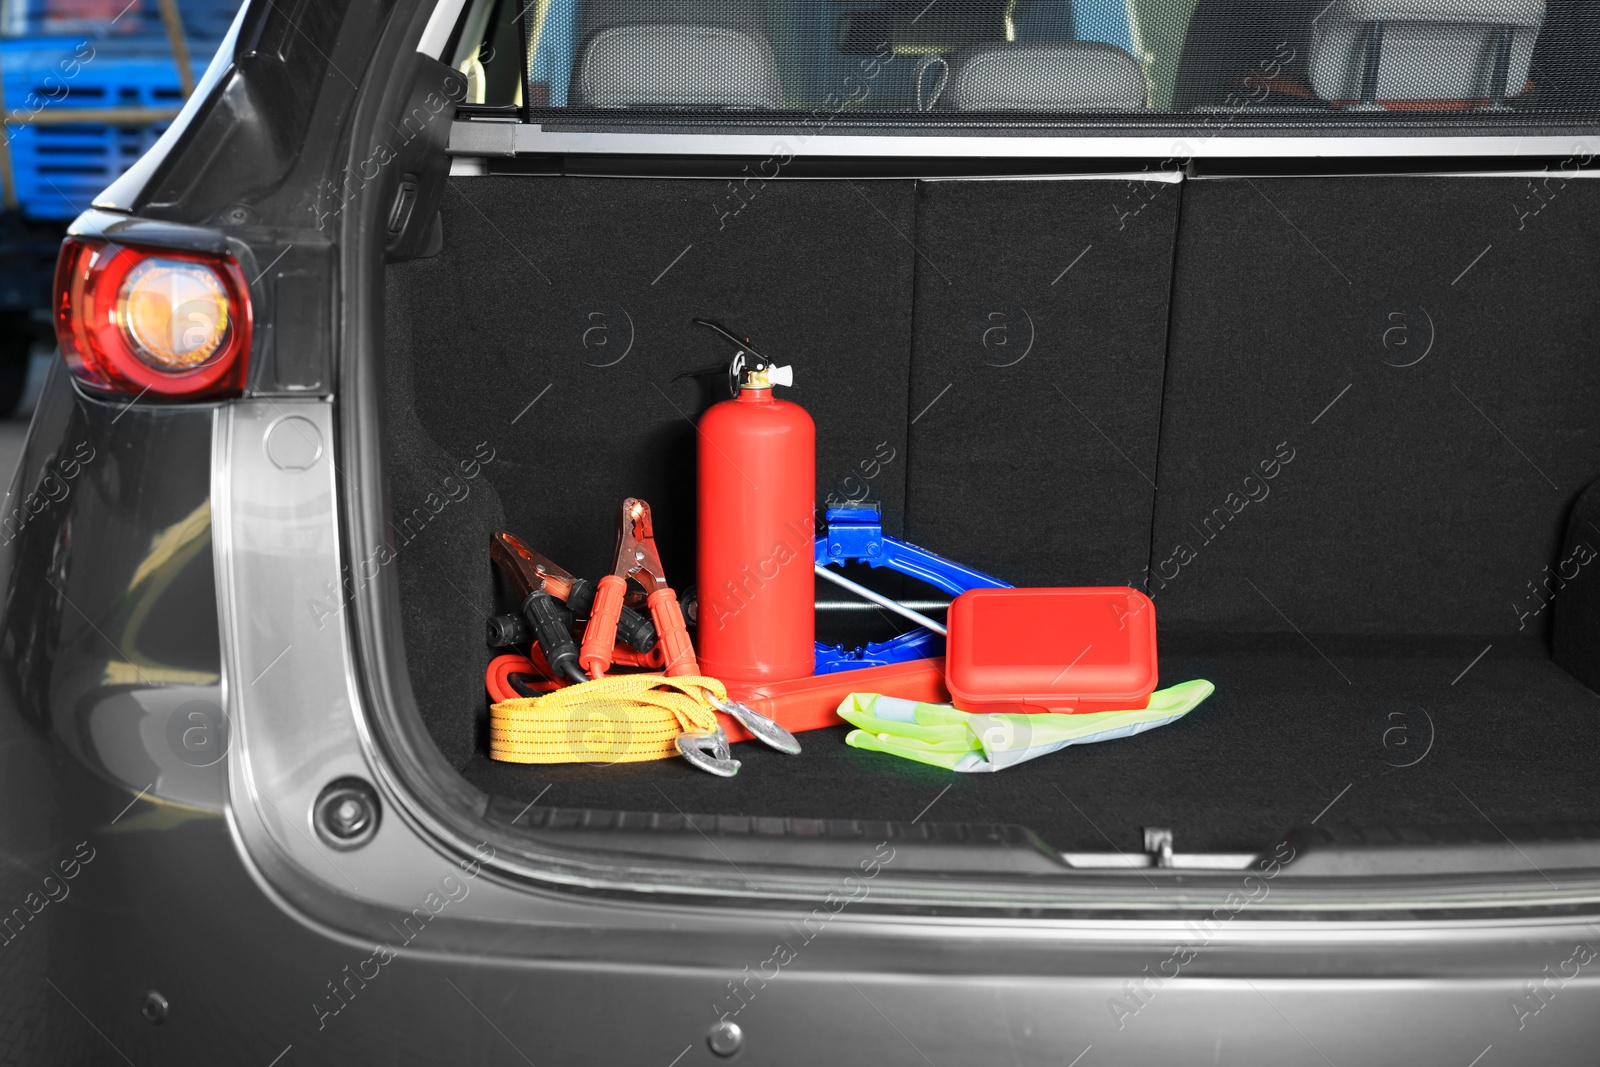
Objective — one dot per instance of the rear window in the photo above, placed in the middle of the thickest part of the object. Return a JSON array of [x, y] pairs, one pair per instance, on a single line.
[[1015, 61]]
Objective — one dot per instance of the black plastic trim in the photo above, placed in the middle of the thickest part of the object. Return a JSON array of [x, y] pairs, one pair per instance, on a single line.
[[940, 847], [123, 229], [1451, 848]]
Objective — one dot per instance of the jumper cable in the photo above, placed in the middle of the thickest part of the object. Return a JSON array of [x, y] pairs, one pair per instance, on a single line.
[[638, 559]]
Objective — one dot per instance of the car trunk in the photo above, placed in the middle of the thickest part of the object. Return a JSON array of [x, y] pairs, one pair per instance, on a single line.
[[1340, 429]]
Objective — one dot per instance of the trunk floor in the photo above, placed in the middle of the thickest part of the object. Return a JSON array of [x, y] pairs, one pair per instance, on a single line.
[[1335, 729]]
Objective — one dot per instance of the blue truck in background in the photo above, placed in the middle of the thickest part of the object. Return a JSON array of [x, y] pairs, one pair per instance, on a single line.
[[88, 86]]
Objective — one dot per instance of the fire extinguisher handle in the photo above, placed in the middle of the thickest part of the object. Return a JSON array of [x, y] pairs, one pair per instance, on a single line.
[[601, 634], [672, 634]]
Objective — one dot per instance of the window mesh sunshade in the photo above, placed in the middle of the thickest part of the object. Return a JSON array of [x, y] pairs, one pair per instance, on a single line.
[[1521, 61]]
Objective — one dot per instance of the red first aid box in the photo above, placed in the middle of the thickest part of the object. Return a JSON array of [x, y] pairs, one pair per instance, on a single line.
[[1051, 650]]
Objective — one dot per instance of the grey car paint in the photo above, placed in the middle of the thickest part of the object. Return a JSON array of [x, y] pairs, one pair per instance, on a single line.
[[168, 901]]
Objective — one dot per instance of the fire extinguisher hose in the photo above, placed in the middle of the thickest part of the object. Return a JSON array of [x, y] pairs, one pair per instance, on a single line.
[[627, 718]]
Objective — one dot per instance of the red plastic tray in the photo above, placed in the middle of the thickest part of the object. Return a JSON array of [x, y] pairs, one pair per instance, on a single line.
[[812, 702], [1051, 650]]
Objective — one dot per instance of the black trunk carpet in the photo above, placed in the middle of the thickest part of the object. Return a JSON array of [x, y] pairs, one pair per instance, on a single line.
[[1359, 731]]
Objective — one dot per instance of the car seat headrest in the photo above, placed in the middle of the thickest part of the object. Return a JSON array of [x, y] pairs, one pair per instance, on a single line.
[[1047, 76], [1526, 13], [679, 66], [1452, 53]]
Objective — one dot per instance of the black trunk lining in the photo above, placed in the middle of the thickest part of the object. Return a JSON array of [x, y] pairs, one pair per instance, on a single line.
[[1284, 737], [1406, 500]]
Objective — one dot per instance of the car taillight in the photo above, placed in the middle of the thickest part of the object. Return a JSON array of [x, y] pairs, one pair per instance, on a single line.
[[133, 321]]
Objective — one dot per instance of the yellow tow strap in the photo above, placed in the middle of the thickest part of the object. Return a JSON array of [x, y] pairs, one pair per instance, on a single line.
[[627, 718]]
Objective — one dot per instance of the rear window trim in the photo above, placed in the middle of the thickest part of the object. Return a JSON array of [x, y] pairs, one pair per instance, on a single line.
[[497, 137]]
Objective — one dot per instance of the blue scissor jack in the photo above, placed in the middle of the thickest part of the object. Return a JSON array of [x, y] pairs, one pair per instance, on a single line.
[[855, 535]]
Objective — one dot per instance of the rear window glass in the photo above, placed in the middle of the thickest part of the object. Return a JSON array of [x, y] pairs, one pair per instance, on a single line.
[[837, 61]]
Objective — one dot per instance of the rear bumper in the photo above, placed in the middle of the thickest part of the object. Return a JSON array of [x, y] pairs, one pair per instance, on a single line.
[[195, 871], [174, 910]]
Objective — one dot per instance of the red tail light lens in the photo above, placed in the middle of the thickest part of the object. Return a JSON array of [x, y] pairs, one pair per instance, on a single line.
[[133, 321]]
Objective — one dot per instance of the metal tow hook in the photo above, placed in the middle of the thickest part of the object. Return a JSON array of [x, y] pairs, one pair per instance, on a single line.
[[708, 750], [761, 728]]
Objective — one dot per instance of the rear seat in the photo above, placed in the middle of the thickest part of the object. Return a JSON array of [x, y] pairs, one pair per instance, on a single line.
[[1424, 53], [1358, 54], [648, 55], [1047, 76], [675, 65]]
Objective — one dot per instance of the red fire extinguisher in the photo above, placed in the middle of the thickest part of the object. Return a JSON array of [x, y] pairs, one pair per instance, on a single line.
[[758, 487]]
